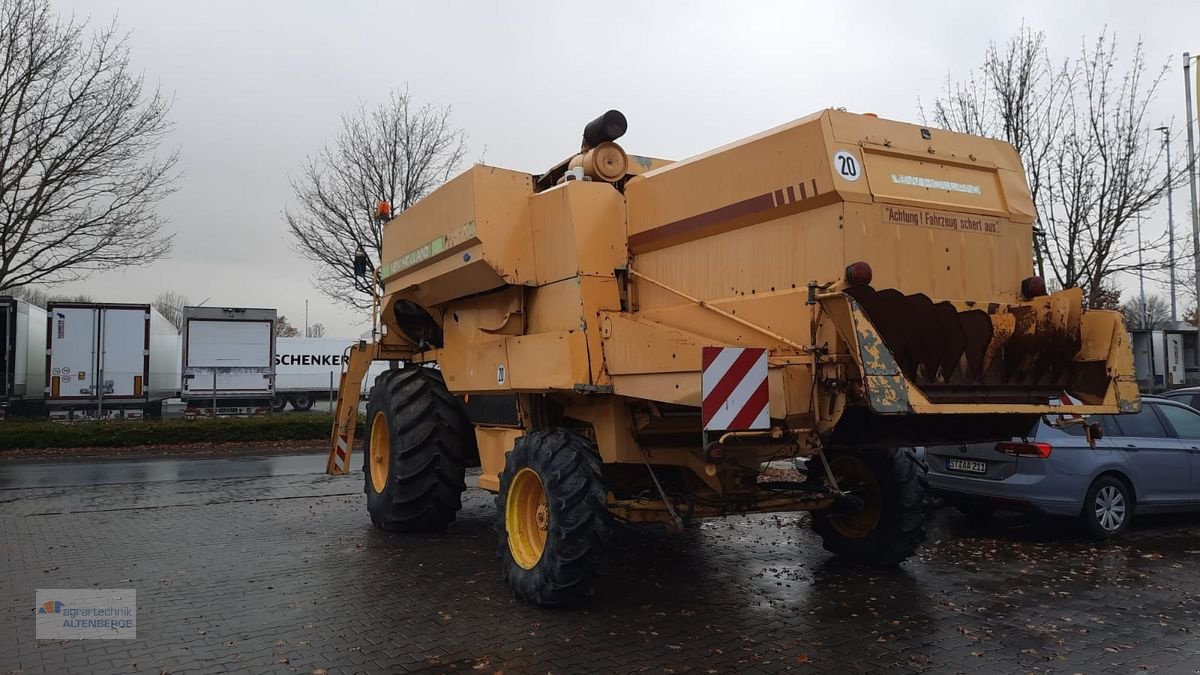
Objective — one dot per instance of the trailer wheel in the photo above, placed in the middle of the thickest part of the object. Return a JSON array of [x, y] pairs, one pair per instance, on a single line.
[[418, 437], [302, 402], [552, 517], [888, 524], [278, 404]]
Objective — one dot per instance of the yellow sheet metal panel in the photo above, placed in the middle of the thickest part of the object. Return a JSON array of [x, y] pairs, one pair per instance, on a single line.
[[578, 227], [494, 445], [930, 181], [484, 206], [598, 218], [924, 166], [952, 263], [768, 257], [600, 295], [548, 361], [475, 330], [638, 346], [746, 182], [553, 235], [554, 307], [476, 363]]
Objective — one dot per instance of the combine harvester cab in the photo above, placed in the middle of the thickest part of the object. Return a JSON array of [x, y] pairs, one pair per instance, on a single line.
[[634, 338]]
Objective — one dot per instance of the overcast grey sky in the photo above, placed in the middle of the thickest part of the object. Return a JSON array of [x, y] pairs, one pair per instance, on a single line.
[[260, 85]]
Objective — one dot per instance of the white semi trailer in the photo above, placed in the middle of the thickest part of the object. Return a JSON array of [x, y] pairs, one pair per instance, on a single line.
[[228, 360], [22, 357], [309, 369], [109, 360]]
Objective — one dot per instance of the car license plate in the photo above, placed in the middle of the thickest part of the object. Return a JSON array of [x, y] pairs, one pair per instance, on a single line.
[[966, 465]]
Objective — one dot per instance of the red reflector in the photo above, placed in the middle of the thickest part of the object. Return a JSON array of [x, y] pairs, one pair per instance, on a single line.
[[858, 274], [1033, 287], [383, 210], [1040, 450]]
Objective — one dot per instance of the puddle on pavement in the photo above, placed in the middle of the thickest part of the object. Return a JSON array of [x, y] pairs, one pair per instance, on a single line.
[[108, 472]]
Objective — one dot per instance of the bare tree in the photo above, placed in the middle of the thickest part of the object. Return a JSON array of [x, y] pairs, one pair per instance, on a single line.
[[170, 304], [1154, 314], [1020, 95], [79, 135], [316, 330], [1110, 170], [36, 296], [1082, 130], [397, 153], [1109, 297], [284, 328]]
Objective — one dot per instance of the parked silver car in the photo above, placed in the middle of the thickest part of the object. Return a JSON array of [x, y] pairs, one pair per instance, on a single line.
[[1188, 396], [1146, 462]]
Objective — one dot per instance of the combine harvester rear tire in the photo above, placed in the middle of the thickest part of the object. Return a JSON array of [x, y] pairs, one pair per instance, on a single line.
[[552, 519], [414, 466], [891, 523]]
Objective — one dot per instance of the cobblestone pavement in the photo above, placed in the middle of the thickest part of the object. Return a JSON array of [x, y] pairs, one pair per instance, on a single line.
[[284, 574]]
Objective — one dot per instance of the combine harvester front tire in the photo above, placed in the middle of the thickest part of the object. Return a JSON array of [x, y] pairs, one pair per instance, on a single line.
[[418, 438], [551, 517]]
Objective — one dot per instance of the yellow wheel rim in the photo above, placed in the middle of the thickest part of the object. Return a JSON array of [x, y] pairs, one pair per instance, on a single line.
[[527, 517], [379, 452], [855, 477]]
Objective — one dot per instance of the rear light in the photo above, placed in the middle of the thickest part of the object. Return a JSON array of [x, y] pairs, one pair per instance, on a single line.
[[1033, 287], [1039, 450], [858, 274]]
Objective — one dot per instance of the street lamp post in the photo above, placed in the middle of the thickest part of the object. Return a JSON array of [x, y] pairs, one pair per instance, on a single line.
[[1170, 221], [1142, 276], [1187, 87]]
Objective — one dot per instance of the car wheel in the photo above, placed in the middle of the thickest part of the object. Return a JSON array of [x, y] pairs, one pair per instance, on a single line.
[[1108, 508]]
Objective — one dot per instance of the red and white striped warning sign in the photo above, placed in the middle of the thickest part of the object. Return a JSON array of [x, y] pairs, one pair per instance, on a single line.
[[735, 395]]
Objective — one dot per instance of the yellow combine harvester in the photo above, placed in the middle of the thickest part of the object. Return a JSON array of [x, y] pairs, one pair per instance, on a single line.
[[634, 338]]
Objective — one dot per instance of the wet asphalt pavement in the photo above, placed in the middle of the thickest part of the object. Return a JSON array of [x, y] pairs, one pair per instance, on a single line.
[[264, 564], [73, 473]]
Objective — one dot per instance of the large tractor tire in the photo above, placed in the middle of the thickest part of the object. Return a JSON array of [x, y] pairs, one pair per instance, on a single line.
[[552, 517], [418, 439], [889, 524]]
